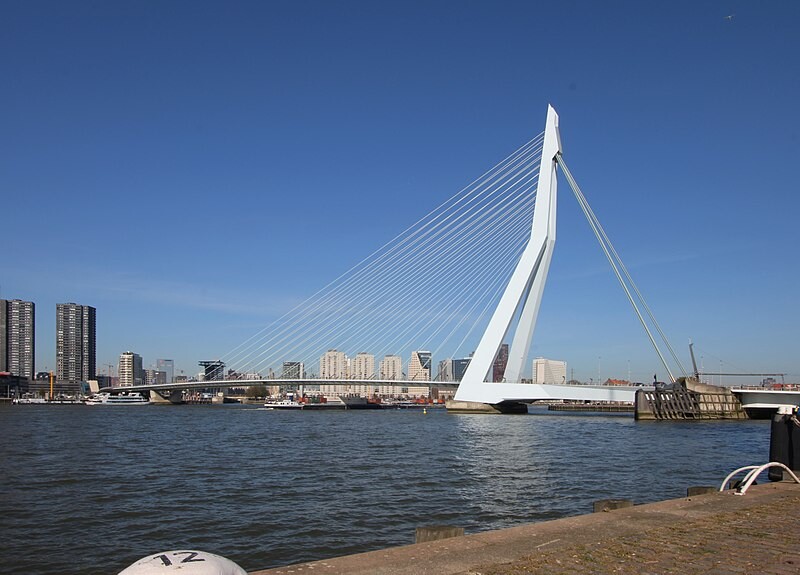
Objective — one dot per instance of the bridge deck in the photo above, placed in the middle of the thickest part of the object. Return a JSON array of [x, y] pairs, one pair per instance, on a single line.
[[720, 533]]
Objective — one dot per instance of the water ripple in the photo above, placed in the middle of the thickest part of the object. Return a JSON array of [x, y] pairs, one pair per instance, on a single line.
[[99, 488]]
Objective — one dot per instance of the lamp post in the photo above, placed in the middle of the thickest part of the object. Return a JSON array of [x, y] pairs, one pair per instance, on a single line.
[[599, 381]]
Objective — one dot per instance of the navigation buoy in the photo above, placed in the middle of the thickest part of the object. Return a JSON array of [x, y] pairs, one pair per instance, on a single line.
[[186, 562]]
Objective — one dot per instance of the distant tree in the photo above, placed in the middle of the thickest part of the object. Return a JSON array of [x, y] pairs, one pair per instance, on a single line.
[[255, 391], [574, 382]]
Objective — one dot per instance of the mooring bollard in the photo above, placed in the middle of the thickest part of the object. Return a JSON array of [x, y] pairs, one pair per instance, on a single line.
[[784, 442], [436, 532], [184, 562], [611, 504]]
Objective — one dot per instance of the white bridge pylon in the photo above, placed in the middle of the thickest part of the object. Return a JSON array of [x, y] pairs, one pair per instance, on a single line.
[[523, 295]]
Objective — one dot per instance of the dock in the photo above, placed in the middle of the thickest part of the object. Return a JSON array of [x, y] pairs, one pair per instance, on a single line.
[[601, 407], [715, 533]]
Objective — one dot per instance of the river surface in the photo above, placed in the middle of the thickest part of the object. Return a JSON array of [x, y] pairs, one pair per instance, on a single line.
[[92, 489]]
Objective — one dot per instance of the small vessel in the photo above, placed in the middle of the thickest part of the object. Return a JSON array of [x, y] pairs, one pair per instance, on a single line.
[[58, 400], [284, 404], [123, 398], [29, 400]]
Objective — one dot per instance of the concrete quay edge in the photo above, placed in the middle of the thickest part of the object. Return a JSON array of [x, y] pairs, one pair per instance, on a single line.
[[643, 539]]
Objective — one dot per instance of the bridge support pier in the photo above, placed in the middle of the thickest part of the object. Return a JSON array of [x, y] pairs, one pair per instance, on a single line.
[[175, 397], [506, 407]]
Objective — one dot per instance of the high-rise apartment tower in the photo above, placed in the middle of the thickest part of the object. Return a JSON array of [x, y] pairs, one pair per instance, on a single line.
[[130, 369], [76, 342], [17, 337], [391, 367]]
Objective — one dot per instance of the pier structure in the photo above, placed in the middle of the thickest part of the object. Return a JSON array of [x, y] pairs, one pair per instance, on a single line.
[[717, 532]]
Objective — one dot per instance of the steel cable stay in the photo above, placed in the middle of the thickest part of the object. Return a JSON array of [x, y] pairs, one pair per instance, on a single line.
[[617, 264], [260, 339], [375, 269], [476, 234], [353, 282], [375, 293]]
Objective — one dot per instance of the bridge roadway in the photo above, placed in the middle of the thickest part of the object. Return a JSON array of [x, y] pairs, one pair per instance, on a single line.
[[525, 392], [522, 392]]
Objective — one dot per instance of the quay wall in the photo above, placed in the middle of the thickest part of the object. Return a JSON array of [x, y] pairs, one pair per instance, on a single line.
[[716, 532]]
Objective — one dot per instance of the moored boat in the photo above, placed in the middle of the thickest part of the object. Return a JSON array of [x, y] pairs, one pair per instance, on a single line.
[[123, 398], [284, 404], [29, 400]]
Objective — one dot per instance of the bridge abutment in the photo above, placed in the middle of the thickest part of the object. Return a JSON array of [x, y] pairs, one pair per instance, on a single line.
[[173, 398], [505, 407]]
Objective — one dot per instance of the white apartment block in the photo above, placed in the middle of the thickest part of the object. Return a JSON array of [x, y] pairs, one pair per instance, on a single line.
[[362, 366], [549, 371], [130, 369], [333, 365], [391, 367]]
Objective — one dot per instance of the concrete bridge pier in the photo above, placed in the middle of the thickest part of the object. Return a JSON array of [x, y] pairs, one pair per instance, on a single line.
[[175, 397], [506, 407]]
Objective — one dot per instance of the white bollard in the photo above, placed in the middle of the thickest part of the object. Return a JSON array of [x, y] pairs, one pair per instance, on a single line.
[[185, 562]]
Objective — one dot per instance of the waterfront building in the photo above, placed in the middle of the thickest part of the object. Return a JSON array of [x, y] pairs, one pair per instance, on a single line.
[[549, 371], [363, 366], [155, 377], [611, 381], [294, 370], [460, 367], [333, 365], [18, 337], [419, 368], [214, 370], [391, 367], [106, 381], [168, 367], [500, 363], [452, 369], [445, 370], [130, 369], [76, 342]]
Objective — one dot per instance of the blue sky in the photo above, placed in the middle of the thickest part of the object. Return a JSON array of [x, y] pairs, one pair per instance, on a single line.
[[192, 169]]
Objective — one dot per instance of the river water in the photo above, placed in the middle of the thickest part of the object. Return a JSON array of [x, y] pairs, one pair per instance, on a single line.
[[93, 489]]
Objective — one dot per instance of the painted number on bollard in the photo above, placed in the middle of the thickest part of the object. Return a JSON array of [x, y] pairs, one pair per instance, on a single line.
[[190, 557], [187, 561]]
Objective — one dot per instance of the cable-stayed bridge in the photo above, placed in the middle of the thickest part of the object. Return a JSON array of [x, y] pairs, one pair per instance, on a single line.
[[460, 282]]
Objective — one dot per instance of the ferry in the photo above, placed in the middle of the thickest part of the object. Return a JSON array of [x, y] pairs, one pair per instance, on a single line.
[[124, 398], [284, 404]]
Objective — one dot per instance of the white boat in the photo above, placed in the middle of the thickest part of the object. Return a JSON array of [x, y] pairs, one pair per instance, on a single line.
[[29, 400], [284, 404], [123, 398]]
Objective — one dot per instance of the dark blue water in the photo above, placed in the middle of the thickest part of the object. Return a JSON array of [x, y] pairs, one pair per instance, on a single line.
[[93, 489]]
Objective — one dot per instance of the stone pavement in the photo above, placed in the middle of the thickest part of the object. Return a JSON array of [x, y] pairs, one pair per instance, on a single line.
[[714, 534]]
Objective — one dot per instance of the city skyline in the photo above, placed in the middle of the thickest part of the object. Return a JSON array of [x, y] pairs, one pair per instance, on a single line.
[[17, 318], [305, 147]]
